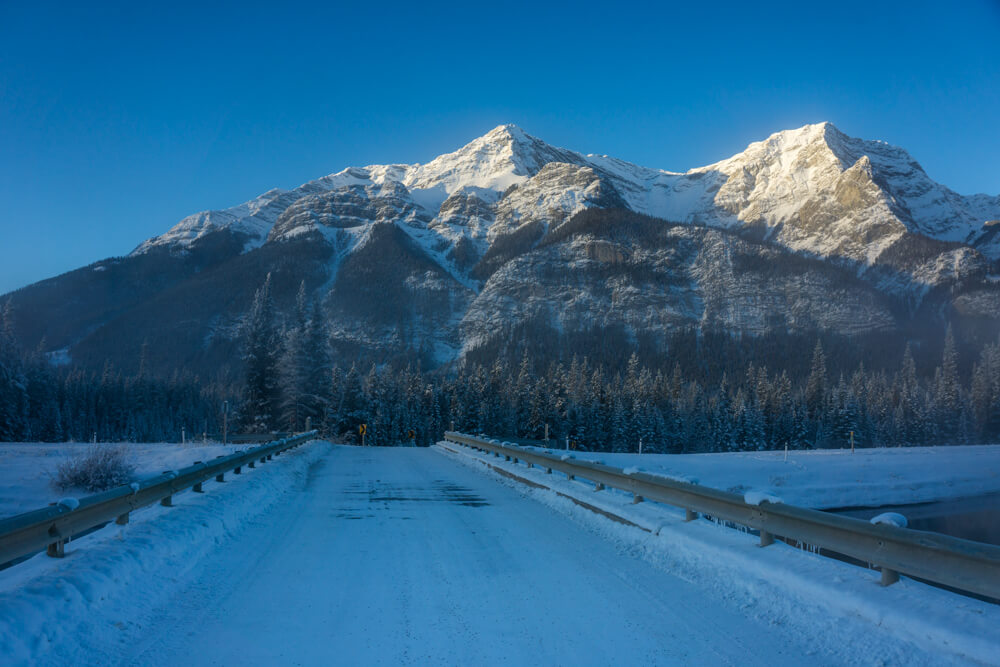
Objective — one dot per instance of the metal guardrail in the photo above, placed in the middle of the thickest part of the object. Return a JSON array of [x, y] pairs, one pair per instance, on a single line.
[[962, 564], [49, 528]]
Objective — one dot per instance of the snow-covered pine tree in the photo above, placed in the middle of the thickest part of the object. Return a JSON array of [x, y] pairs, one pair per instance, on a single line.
[[262, 351], [815, 392], [316, 389], [293, 365], [985, 394], [947, 392]]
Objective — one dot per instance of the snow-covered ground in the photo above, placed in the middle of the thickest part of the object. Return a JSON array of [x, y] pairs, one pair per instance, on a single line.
[[348, 555], [839, 611], [27, 469], [91, 606], [834, 478]]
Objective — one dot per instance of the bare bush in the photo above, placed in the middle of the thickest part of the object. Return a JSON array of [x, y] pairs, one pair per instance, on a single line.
[[99, 468]]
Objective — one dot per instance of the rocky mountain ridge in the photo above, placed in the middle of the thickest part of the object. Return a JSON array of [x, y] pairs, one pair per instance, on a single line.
[[808, 230], [779, 182]]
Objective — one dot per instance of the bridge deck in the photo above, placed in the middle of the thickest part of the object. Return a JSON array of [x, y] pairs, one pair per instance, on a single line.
[[402, 556]]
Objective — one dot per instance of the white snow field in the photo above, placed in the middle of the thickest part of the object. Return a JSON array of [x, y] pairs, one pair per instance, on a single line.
[[27, 469], [365, 556], [830, 478]]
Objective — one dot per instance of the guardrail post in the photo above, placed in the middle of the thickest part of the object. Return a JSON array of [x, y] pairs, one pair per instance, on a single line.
[[56, 549], [570, 476], [690, 515], [636, 499], [122, 519], [252, 464], [237, 471], [221, 477], [263, 458], [598, 487], [766, 538], [167, 501], [889, 577], [197, 487], [268, 457], [548, 471]]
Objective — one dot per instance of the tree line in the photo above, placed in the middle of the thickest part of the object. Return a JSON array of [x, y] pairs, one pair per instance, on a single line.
[[43, 402], [290, 378], [291, 381]]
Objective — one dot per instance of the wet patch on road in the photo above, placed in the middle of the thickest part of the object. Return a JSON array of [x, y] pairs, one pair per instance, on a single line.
[[385, 494]]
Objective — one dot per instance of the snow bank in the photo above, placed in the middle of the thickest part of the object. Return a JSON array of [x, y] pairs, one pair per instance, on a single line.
[[836, 605], [46, 601], [827, 479]]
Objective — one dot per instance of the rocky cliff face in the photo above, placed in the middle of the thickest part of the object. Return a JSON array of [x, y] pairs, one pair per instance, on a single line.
[[807, 230]]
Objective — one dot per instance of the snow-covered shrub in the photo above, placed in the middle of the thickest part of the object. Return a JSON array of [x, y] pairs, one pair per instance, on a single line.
[[99, 468]]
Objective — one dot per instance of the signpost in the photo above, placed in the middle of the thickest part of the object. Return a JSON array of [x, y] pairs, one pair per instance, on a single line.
[[363, 429]]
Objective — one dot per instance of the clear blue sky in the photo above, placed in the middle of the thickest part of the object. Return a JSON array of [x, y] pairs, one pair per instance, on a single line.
[[117, 122]]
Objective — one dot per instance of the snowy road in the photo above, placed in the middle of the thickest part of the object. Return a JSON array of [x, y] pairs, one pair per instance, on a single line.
[[402, 556]]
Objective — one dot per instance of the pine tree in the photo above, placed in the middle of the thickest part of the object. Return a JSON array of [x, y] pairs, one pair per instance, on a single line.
[[316, 358], [947, 392], [815, 394], [293, 365], [985, 394], [261, 399]]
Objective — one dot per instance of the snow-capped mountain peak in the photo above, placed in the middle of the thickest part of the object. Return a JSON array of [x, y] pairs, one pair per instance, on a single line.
[[504, 156], [817, 189]]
